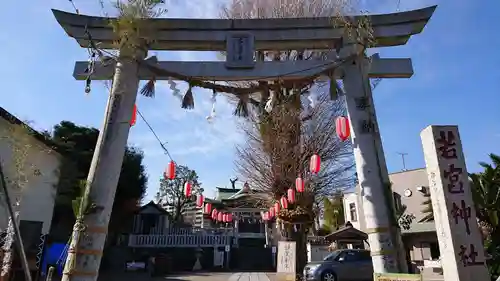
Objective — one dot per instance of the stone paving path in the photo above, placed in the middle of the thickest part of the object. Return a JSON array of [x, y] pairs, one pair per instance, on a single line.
[[249, 276], [190, 276]]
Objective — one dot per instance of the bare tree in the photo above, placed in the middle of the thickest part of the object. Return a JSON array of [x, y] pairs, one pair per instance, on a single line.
[[278, 149], [282, 134]]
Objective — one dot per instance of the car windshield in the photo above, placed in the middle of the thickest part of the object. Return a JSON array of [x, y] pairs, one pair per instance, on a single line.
[[332, 256]]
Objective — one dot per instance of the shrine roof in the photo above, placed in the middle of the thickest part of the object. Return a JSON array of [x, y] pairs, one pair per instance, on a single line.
[[153, 205], [347, 232]]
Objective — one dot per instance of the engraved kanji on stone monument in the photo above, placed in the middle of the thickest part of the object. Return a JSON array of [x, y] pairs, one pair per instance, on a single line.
[[460, 241]]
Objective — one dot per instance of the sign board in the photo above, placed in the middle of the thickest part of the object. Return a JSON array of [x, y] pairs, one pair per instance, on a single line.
[[227, 248], [240, 48], [396, 277], [286, 260], [460, 241]]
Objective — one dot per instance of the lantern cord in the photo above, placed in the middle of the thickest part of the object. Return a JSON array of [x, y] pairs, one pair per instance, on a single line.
[[156, 135]]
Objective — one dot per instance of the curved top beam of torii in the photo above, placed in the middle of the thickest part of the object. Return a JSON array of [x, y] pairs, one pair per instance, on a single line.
[[270, 34]]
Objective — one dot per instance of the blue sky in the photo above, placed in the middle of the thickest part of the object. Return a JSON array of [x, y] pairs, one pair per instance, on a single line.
[[455, 83]]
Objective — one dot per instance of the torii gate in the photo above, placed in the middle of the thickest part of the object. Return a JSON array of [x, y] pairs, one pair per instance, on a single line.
[[240, 38]]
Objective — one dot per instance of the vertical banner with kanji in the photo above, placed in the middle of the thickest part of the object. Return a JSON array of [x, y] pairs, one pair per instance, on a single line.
[[286, 260], [460, 242]]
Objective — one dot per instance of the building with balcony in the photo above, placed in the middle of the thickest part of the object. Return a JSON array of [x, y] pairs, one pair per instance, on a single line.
[[242, 244]]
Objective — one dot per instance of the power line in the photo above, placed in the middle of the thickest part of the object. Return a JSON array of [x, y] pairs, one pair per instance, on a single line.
[[154, 133], [74, 7]]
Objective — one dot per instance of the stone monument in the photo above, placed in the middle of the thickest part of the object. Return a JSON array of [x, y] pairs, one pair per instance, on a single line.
[[286, 261], [460, 241]]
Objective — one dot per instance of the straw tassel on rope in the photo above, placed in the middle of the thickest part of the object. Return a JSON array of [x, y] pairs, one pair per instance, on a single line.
[[148, 90], [335, 89], [241, 109], [188, 100]]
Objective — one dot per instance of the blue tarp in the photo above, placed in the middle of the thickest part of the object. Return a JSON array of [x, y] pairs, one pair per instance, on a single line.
[[54, 255]]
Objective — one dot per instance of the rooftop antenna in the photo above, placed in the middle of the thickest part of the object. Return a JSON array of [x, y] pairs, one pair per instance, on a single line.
[[403, 154]]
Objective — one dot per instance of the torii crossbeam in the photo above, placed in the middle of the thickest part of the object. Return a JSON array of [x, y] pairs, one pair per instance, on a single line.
[[269, 70]]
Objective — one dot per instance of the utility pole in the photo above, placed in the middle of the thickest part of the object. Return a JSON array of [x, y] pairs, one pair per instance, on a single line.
[[403, 154], [90, 230]]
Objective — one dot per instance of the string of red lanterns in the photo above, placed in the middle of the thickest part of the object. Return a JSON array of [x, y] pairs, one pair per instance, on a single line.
[[133, 120], [208, 208], [315, 164], [291, 195], [199, 200], [187, 189], [299, 184], [170, 171], [284, 202], [342, 127]]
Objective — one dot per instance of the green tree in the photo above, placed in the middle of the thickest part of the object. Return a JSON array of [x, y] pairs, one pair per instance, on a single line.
[[172, 191], [333, 212], [485, 188], [78, 143], [427, 209]]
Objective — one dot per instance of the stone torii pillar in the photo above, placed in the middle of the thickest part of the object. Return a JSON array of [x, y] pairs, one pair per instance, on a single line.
[[256, 35]]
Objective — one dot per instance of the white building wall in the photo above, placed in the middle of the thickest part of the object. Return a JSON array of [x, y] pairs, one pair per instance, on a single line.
[[351, 202], [34, 167]]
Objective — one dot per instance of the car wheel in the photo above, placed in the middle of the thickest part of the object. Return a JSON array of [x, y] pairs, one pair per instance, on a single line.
[[328, 276]]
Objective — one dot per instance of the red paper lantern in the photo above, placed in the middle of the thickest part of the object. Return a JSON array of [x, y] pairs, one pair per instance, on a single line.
[[271, 212], [284, 202], [199, 200], [315, 164], [208, 208], [170, 171], [299, 184], [134, 116], [220, 216], [342, 127], [187, 189], [214, 214], [276, 208], [291, 195], [229, 217]]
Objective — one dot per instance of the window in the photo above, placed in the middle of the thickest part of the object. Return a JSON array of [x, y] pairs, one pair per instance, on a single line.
[[333, 256], [352, 210], [355, 256], [434, 247]]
